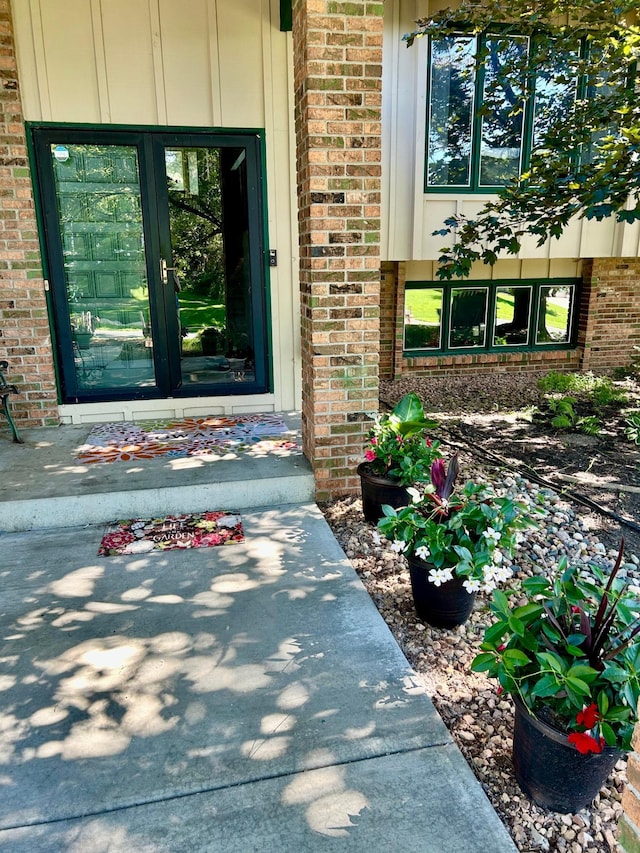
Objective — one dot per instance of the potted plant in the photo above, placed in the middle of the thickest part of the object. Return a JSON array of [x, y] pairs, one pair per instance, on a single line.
[[569, 655], [83, 330], [455, 544], [398, 455]]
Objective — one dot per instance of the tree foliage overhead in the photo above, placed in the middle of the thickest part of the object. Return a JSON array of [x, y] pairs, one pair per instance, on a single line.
[[586, 159]]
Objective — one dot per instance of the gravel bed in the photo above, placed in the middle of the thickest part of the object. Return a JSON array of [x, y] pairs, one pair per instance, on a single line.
[[480, 720]]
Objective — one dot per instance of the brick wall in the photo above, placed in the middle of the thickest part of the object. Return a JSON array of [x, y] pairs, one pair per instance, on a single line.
[[611, 326], [24, 327], [337, 80], [388, 278], [629, 827]]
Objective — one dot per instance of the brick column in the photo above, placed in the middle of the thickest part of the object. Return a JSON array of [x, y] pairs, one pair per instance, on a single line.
[[337, 78], [629, 826], [24, 327], [610, 312]]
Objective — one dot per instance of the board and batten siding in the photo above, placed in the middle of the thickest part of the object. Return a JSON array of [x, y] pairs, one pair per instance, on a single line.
[[197, 63], [409, 214]]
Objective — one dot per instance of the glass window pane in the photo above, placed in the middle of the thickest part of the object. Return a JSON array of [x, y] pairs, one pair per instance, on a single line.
[[512, 316], [468, 322], [423, 318], [451, 94], [503, 119], [554, 314], [98, 191], [208, 209], [556, 88]]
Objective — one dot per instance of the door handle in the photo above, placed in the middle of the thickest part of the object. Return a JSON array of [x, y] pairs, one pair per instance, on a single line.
[[165, 270]]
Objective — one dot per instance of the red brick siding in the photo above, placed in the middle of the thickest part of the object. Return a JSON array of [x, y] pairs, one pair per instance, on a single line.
[[24, 327], [337, 81], [611, 327]]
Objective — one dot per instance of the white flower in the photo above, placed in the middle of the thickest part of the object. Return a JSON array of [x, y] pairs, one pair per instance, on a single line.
[[497, 557], [422, 552], [439, 576], [488, 586], [376, 537], [492, 535], [502, 574], [414, 494], [471, 585], [398, 546]]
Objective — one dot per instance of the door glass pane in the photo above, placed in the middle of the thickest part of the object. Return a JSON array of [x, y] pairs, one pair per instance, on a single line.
[[502, 122], [208, 212], [98, 192], [452, 82], [422, 318], [511, 320], [554, 315], [468, 317]]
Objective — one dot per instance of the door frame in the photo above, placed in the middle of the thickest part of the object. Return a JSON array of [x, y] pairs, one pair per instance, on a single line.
[[149, 141]]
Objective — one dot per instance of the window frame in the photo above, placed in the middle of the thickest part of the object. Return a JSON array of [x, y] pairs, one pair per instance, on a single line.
[[474, 187], [492, 286]]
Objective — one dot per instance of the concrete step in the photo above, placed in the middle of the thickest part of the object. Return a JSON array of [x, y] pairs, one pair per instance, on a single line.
[[42, 485]]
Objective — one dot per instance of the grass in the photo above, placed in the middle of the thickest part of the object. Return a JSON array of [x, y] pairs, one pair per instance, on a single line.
[[425, 306], [198, 312]]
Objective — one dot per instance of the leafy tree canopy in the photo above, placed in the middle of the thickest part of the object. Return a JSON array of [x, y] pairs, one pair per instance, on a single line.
[[586, 162]]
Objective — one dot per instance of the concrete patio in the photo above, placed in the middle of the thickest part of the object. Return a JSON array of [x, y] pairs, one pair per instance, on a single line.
[[245, 697]]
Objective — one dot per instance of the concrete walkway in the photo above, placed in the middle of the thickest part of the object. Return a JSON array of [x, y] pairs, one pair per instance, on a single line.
[[233, 699]]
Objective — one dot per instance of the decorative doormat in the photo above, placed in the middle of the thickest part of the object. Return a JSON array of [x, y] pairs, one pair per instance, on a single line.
[[208, 436], [196, 530]]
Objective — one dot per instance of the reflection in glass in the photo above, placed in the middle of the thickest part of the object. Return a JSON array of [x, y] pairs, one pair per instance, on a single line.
[[98, 192], [503, 106], [512, 315], [451, 91], [208, 211], [422, 318], [556, 88], [468, 323], [554, 314]]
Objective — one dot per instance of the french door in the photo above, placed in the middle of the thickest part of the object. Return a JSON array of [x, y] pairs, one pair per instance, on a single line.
[[156, 262]]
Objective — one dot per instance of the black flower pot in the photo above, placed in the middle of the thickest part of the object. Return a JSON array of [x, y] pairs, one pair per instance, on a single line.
[[378, 490], [444, 606], [550, 770]]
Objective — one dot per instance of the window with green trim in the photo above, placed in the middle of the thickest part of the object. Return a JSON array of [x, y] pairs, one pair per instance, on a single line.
[[481, 122], [496, 316]]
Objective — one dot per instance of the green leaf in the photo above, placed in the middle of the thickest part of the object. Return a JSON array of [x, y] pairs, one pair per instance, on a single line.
[[578, 686], [483, 662], [515, 657], [603, 703], [608, 734], [547, 686], [586, 673], [554, 661], [516, 626], [535, 586]]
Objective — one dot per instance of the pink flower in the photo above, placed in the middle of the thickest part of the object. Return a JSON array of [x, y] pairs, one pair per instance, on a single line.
[[588, 717], [428, 442], [585, 743], [369, 455], [374, 441]]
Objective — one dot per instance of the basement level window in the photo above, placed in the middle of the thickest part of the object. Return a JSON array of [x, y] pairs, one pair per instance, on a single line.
[[494, 316]]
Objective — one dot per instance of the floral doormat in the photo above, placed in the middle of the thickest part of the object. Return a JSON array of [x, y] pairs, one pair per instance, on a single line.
[[216, 435], [196, 530]]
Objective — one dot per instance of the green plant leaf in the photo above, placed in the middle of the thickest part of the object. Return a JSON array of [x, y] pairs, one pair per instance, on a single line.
[[547, 686], [483, 662], [608, 734], [578, 686], [584, 672]]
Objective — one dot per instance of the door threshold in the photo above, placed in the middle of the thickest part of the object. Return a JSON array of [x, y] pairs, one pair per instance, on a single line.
[[172, 407]]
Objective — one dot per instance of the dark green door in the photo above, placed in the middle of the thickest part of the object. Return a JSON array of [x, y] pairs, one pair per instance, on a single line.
[[156, 262]]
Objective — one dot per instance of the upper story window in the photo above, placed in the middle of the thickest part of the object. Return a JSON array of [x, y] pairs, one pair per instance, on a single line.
[[482, 118]]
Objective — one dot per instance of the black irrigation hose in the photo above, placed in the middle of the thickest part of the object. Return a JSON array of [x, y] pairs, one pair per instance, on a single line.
[[531, 474]]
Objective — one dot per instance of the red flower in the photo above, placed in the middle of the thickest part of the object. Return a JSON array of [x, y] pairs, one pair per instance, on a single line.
[[374, 440], [428, 442], [585, 743], [369, 455], [588, 717]]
